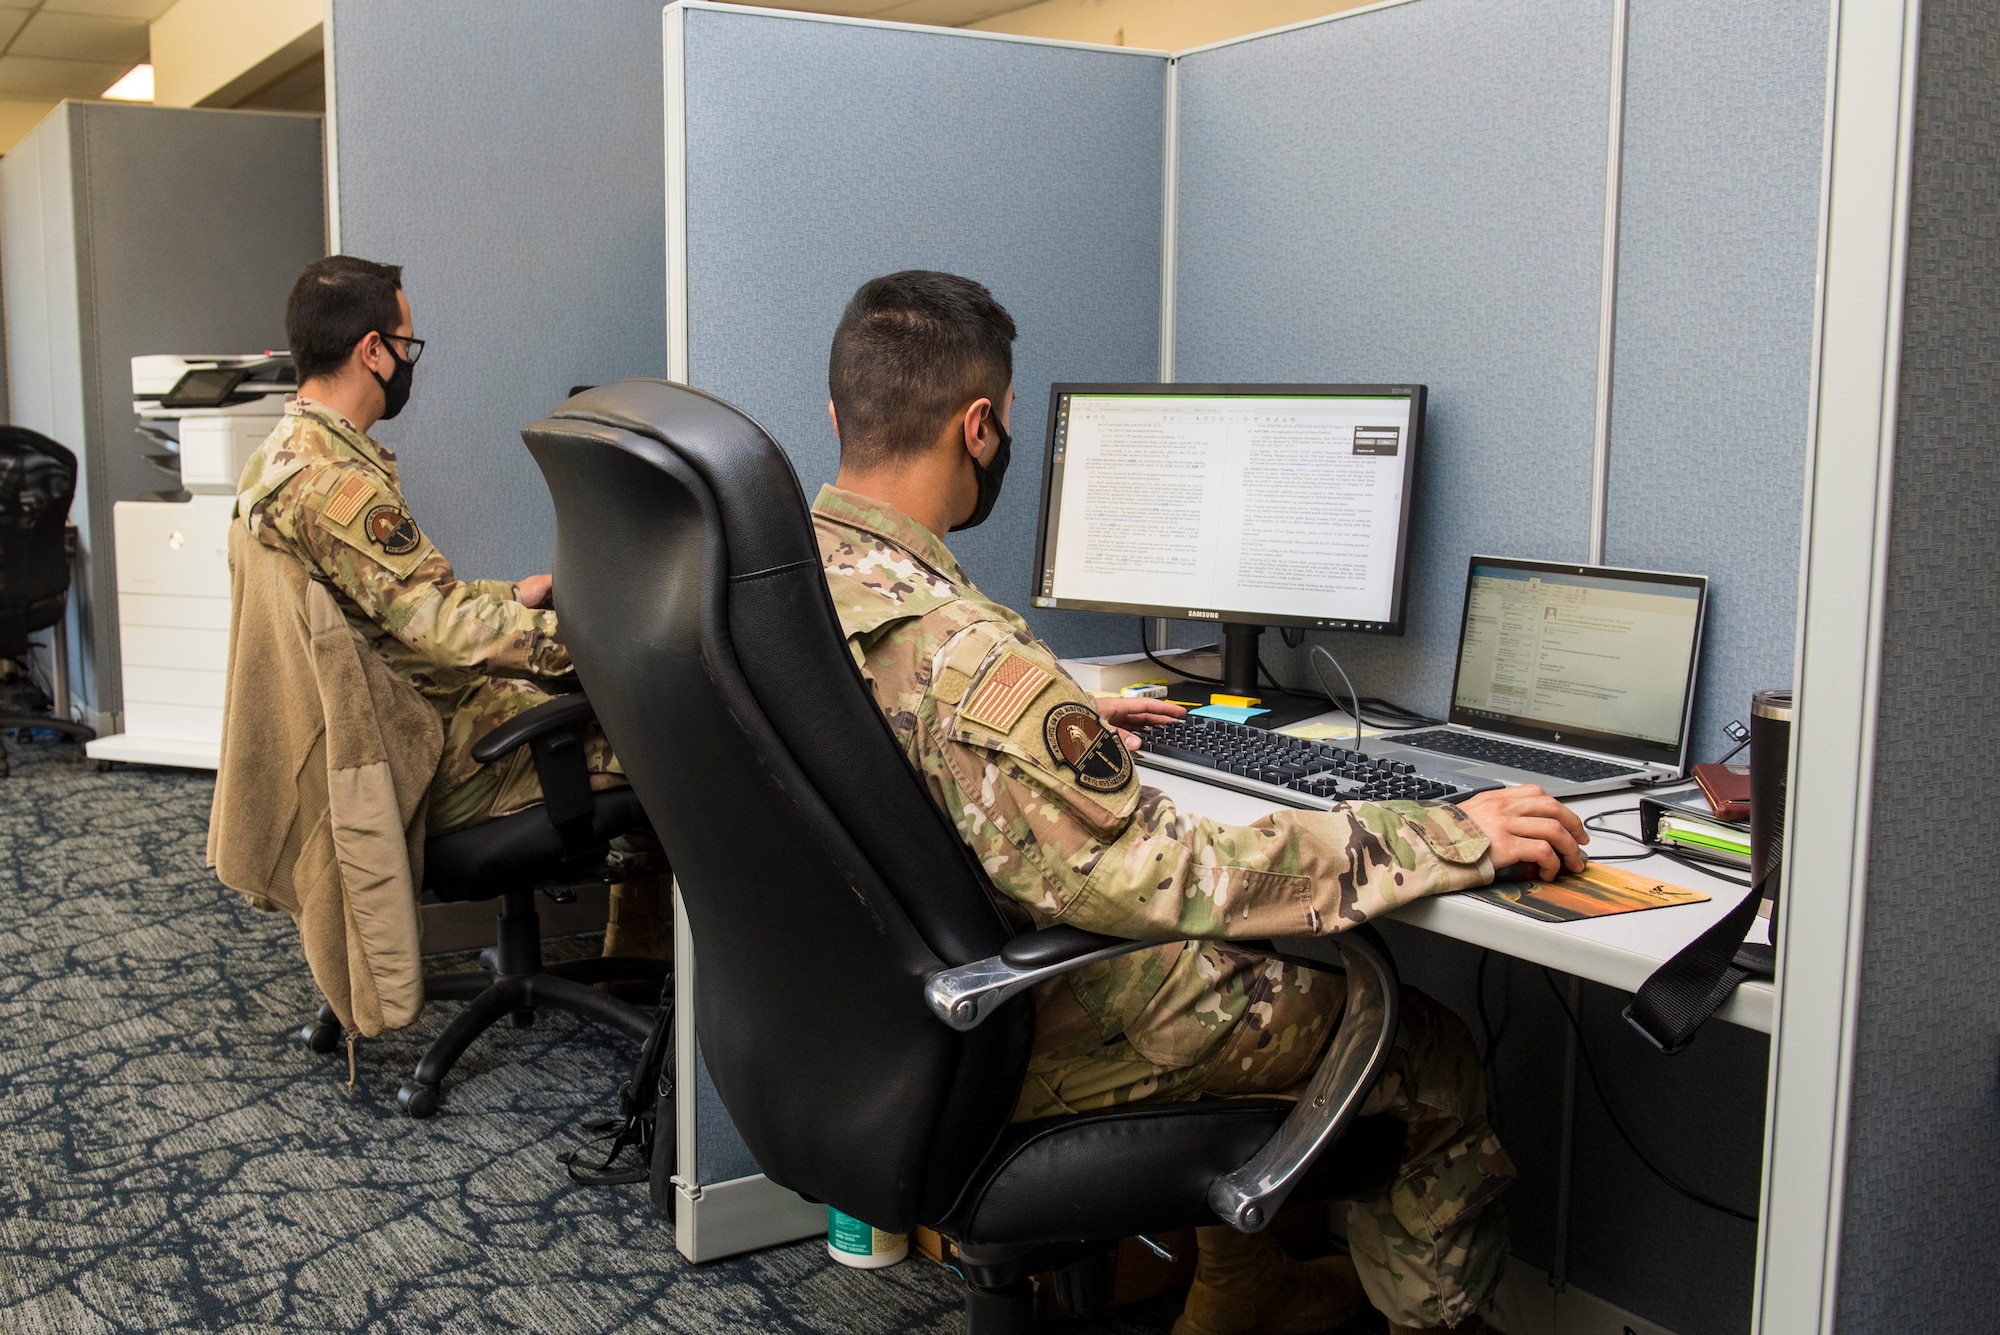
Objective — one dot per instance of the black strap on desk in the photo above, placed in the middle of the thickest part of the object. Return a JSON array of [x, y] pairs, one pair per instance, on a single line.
[[1682, 993]]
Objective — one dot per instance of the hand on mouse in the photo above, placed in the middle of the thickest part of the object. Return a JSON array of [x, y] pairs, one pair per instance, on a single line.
[[1529, 830]]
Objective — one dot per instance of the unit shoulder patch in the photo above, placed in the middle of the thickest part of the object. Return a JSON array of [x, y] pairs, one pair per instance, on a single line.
[[1079, 741], [1009, 687], [391, 529]]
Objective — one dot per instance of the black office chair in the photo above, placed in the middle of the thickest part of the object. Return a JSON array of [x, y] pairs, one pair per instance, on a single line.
[[37, 482], [859, 995], [558, 844]]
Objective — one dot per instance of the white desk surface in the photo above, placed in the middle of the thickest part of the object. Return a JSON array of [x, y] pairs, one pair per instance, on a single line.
[[1618, 951]]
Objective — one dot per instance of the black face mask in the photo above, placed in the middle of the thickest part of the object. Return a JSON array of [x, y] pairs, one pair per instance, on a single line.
[[990, 476], [396, 389]]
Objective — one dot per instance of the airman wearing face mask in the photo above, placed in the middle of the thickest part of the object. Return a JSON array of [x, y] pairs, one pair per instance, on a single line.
[[481, 651]]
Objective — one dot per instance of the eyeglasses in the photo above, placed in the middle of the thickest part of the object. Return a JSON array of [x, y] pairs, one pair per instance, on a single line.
[[413, 348]]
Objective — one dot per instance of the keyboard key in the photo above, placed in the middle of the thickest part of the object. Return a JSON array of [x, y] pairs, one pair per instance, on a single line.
[[1534, 759]]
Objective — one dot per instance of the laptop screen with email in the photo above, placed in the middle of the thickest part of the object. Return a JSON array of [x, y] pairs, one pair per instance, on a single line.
[[1586, 656]]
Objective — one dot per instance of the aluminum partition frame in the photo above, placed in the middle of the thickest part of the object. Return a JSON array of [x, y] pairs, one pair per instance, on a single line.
[[1856, 365]]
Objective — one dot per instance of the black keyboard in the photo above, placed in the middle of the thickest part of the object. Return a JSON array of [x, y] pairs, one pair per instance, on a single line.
[[1290, 769], [1577, 769]]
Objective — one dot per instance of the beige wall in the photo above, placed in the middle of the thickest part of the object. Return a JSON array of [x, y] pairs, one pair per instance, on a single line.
[[218, 52], [1165, 25], [17, 118]]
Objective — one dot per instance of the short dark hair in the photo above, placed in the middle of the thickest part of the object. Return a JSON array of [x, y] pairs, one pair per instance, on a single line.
[[912, 349], [337, 302]]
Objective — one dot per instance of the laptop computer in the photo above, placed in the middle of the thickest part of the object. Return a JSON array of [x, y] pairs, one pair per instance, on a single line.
[[1578, 678]]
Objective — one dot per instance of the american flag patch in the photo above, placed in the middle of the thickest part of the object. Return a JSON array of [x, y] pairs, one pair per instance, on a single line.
[[1008, 689], [348, 498]]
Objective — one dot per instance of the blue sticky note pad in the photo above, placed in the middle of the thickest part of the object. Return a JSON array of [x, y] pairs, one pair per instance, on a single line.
[[1229, 713]]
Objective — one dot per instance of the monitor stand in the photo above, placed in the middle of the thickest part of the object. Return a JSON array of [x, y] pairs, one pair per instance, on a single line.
[[1239, 677]]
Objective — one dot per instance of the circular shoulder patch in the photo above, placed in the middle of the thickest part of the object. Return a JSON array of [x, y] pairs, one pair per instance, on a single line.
[[1078, 740], [392, 530]]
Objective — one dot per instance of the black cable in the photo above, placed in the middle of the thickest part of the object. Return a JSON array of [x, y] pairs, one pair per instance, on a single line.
[[1653, 850], [1374, 703], [1491, 1034], [1146, 649], [1312, 660], [1604, 1101]]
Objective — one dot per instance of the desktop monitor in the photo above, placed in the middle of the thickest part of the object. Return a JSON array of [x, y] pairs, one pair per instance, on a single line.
[[1244, 505]]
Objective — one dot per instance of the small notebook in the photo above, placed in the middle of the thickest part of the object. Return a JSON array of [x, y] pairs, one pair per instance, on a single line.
[[1598, 891]]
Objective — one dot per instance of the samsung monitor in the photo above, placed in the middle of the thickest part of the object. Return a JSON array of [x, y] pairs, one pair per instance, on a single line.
[[1243, 505]]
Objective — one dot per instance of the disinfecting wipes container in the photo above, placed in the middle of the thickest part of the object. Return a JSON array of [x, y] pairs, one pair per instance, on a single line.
[[863, 1246]]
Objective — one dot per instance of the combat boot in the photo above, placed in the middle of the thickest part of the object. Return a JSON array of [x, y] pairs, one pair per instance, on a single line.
[[1472, 1325], [641, 925], [1246, 1284]]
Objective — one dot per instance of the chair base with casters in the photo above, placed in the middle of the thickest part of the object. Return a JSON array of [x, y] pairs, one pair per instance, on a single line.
[[561, 842], [77, 732]]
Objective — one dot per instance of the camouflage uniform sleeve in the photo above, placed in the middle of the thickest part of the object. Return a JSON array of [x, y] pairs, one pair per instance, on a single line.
[[500, 589], [1046, 795], [362, 539]]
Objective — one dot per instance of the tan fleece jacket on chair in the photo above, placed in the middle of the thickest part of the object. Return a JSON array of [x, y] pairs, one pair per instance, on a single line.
[[319, 801]]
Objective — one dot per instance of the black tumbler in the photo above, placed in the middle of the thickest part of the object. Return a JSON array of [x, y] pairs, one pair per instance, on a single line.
[[1770, 753]]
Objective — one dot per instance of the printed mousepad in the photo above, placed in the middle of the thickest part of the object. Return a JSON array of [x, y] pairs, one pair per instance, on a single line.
[[1598, 891]]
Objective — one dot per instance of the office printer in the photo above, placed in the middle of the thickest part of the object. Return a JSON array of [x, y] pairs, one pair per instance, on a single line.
[[207, 415], [204, 418]]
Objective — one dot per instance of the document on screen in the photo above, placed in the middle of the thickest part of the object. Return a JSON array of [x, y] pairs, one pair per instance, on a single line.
[[1273, 505], [1578, 653]]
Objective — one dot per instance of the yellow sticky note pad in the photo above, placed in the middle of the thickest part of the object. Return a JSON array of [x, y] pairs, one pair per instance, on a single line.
[[1240, 701]]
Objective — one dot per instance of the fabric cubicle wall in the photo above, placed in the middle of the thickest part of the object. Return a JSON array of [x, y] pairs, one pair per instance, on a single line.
[[1456, 238], [822, 153], [1725, 111], [1922, 1169], [508, 155], [1380, 231], [815, 161]]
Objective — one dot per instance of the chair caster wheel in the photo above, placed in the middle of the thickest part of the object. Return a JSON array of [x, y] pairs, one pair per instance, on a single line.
[[522, 1019], [321, 1038], [417, 1100]]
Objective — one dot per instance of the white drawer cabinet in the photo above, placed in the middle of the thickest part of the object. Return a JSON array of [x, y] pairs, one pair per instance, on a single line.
[[173, 630]]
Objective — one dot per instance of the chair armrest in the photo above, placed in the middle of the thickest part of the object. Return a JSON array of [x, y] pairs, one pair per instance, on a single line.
[[964, 996], [557, 715], [553, 730], [1248, 1198]]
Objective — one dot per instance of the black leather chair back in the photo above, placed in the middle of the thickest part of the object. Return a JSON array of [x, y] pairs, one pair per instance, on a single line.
[[37, 481], [821, 884]]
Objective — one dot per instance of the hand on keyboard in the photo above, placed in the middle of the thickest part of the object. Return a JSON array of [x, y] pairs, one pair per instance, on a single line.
[[1529, 828], [1128, 714]]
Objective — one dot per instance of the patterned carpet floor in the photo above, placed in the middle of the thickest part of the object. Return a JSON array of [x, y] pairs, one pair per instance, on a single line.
[[173, 1159]]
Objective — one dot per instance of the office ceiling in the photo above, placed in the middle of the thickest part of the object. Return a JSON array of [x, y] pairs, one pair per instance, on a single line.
[[945, 13], [51, 49]]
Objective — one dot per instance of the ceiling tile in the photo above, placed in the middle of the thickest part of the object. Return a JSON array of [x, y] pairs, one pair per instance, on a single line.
[[34, 77], [10, 23], [83, 37], [143, 10], [944, 13]]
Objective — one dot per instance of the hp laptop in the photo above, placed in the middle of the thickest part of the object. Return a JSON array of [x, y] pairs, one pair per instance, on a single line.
[[1577, 678]]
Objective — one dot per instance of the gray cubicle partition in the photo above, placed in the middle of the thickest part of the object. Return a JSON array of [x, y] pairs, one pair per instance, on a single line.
[[507, 155], [1344, 218], [817, 158], [1419, 192], [811, 161], [1922, 1153], [1725, 112], [130, 230]]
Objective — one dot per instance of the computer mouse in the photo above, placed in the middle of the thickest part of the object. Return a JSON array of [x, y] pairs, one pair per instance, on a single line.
[[1523, 871]]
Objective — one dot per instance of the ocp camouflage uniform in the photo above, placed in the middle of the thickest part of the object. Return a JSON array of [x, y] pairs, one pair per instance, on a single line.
[[1013, 752], [331, 496]]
